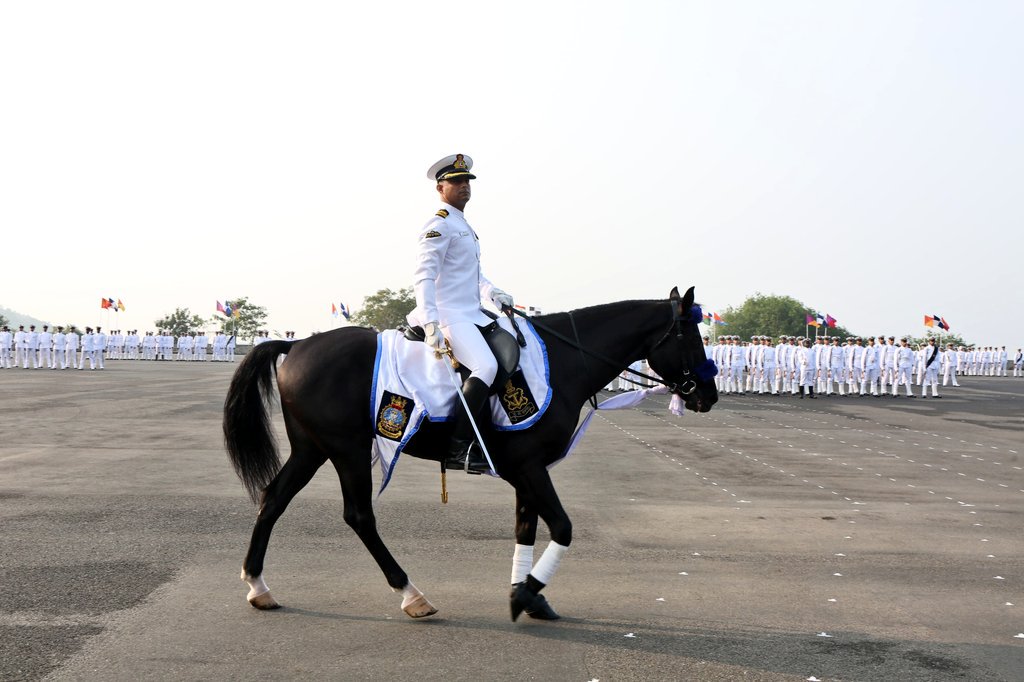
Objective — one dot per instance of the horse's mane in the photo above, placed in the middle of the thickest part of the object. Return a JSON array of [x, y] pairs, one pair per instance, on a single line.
[[602, 308]]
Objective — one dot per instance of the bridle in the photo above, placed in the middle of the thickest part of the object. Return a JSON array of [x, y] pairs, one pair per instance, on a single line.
[[684, 388]]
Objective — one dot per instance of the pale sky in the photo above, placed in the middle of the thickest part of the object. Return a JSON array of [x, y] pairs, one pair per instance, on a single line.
[[864, 157]]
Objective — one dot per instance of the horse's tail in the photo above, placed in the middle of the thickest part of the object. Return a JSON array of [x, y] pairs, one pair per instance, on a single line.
[[251, 446]]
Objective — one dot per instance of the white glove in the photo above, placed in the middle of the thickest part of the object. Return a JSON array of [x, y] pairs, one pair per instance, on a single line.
[[500, 299], [433, 335]]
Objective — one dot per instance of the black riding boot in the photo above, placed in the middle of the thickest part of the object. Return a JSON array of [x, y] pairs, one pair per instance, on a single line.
[[464, 443]]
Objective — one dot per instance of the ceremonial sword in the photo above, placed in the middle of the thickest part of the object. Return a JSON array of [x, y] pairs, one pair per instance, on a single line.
[[445, 357]]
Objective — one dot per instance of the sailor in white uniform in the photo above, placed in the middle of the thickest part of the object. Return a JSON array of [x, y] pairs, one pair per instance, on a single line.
[[932, 354], [70, 349], [903, 359], [6, 340], [44, 348], [57, 348], [950, 360], [450, 286]]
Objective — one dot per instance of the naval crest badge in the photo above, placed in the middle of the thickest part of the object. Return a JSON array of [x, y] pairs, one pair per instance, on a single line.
[[516, 398], [393, 415], [460, 162]]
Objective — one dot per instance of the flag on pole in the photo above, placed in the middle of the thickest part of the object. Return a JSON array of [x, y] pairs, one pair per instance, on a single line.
[[929, 320], [718, 319], [943, 323], [221, 309], [120, 306], [334, 310], [111, 304], [812, 320], [104, 303], [344, 312], [830, 321]]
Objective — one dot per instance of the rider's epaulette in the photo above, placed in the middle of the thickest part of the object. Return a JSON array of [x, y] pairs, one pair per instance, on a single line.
[[443, 213]]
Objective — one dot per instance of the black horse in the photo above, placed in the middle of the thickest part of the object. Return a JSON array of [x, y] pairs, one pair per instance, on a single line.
[[324, 387]]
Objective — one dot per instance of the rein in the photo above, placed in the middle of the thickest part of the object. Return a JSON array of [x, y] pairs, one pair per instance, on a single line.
[[688, 385]]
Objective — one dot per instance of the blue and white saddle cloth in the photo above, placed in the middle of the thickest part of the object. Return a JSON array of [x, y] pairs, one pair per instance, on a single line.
[[410, 384]]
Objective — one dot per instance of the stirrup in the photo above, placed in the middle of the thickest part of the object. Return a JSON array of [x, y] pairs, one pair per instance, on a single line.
[[470, 460]]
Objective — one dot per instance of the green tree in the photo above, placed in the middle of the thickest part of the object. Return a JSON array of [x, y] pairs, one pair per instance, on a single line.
[[942, 338], [773, 316], [246, 319], [4, 321], [181, 321], [386, 309]]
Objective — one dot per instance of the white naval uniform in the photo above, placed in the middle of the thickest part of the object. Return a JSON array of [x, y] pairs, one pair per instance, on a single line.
[[450, 286], [44, 350], [903, 358], [31, 345], [1018, 364], [932, 355], [768, 363], [869, 372], [780, 366], [70, 350], [20, 344], [837, 368], [88, 343], [821, 352], [199, 348], [949, 366], [6, 339], [57, 350], [737, 363], [807, 366], [855, 356], [100, 345]]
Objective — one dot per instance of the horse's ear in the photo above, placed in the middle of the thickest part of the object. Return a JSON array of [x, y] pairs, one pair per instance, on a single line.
[[687, 299], [674, 294]]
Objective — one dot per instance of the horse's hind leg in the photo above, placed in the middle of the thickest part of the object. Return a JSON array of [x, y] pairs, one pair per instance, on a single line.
[[293, 477], [357, 487]]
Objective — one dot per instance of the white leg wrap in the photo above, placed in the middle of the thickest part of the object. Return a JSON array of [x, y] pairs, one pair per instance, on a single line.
[[256, 586], [522, 562], [545, 569], [410, 594]]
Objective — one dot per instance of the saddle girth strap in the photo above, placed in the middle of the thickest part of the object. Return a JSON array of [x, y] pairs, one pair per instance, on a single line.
[[586, 370]]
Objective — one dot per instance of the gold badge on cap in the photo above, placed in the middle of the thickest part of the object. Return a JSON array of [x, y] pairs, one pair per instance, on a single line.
[[460, 162]]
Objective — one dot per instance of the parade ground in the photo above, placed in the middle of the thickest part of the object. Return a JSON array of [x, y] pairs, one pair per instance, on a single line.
[[769, 539]]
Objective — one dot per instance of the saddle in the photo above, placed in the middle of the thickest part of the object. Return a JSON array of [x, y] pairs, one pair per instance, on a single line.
[[502, 344]]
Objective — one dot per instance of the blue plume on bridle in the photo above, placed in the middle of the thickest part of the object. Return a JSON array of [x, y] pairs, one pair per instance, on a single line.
[[696, 314], [707, 370]]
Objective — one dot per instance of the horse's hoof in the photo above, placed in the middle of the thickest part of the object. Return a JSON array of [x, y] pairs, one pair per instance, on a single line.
[[541, 610], [264, 602], [521, 599], [419, 608]]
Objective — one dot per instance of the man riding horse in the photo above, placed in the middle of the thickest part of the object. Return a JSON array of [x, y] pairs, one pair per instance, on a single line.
[[449, 287]]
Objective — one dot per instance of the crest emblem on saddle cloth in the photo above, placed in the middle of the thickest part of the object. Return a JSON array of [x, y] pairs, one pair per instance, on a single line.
[[393, 415], [516, 398]]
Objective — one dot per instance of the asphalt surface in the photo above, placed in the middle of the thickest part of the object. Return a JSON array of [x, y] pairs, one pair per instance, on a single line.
[[770, 539]]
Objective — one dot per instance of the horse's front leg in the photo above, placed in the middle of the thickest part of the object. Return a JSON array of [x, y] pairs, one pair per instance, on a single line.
[[526, 537], [357, 488], [535, 495]]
